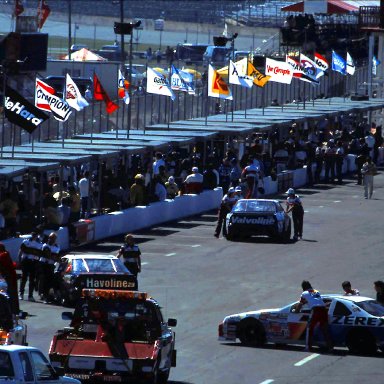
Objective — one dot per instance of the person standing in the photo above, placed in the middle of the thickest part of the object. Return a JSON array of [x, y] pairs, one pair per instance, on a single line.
[[8, 271], [330, 161], [362, 154], [319, 313], [130, 255], [251, 176], [50, 255], [84, 187], [368, 171], [379, 288], [348, 290], [295, 206], [319, 160], [227, 202], [339, 161], [29, 253]]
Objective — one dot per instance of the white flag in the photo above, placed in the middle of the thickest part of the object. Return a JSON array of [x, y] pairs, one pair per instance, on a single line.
[[280, 71], [122, 88], [238, 73], [73, 96], [350, 65], [46, 100], [310, 69], [158, 84]]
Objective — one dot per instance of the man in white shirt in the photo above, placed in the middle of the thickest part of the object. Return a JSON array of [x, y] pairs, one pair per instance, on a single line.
[[84, 194], [194, 182], [159, 161]]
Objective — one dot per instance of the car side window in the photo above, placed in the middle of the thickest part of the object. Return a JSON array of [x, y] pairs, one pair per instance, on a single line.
[[43, 369], [341, 310], [6, 367], [26, 366]]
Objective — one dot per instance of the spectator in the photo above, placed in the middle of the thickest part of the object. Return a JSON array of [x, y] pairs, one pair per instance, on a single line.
[[74, 197], [159, 161], [64, 210], [209, 178], [368, 171], [160, 190], [137, 191], [194, 182], [339, 161], [9, 209], [8, 271], [172, 188]]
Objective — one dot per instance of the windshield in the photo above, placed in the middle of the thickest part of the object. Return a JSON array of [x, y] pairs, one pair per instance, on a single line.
[[254, 206], [372, 307], [99, 265]]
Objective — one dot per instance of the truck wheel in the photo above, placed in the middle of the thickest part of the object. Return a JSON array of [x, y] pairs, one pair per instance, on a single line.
[[162, 377], [251, 332], [361, 342]]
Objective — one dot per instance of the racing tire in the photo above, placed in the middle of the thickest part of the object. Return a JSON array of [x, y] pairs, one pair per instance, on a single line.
[[162, 376], [230, 236], [251, 333], [361, 342]]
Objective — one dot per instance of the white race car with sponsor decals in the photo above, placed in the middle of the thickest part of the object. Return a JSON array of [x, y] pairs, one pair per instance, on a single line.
[[356, 322], [255, 217]]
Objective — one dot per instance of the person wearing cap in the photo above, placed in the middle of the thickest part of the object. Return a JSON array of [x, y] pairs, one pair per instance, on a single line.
[[29, 254], [50, 252], [295, 206], [194, 182], [227, 202], [238, 192], [172, 188], [130, 254], [137, 191]]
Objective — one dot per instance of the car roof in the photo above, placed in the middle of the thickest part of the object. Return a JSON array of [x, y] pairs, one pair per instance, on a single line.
[[91, 256], [16, 348], [354, 298], [268, 200]]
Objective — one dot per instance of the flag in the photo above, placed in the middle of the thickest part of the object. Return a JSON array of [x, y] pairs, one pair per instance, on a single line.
[[258, 78], [21, 112], [321, 63], [350, 65], [375, 63], [73, 96], [182, 81], [42, 13], [46, 100], [279, 71], [19, 9], [309, 68], [122, 88], [100, 94], [238, 73], [296, 67], [338, 63], [158, 84], [217, 87]]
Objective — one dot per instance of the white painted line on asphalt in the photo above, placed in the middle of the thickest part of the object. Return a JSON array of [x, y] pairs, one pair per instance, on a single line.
[[196, 245], [170, 254], [337, 201], [321, 206], [267, 381], [145, 263], [305, 211], [306, 359]]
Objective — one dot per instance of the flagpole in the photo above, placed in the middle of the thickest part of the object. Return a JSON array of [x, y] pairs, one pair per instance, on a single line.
[[13, 136], [262, 99], [304, 93]]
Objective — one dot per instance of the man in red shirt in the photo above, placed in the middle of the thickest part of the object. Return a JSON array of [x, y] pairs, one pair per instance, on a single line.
[[8, 271]]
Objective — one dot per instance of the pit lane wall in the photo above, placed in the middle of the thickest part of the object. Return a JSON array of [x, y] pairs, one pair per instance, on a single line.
[[136, 218]]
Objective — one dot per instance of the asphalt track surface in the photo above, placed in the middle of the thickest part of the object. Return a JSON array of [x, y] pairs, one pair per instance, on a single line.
[[199, 279]]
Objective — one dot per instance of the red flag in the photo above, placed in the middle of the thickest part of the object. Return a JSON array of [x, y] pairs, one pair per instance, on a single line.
[[42, 13], [19, 9], [100, 94]]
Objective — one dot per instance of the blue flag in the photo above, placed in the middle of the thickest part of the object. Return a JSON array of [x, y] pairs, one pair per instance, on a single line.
[[182, 81], [338, 63], [375, 63]]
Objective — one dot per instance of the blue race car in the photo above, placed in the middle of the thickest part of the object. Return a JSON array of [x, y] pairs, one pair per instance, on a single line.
[[258, 217], [356, 322]]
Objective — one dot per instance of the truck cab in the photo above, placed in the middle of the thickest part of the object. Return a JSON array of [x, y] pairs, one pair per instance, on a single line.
[[118, 334], [28, 365]]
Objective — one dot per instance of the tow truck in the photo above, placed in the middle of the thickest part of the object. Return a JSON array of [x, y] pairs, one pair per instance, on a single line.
[[115, 336]]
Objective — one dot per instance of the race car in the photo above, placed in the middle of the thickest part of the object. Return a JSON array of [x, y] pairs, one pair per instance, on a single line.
[[115, 336], [12, 329], [356, 322], [265, 217], [76, 272]]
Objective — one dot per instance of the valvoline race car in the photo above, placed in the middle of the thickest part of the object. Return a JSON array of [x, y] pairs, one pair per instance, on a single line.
[[115, 336], [354, 321], [92, 271], [251, 217]]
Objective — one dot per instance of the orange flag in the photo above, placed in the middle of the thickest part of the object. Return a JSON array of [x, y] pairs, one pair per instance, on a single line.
[[100, 94]]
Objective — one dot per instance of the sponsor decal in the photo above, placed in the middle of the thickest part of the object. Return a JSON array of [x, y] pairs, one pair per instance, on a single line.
[[253, 220], [92, 282], [21, 112], [358, 320]]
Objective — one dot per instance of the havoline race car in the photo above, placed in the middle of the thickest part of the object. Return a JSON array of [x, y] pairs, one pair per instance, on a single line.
[[92, 271], [354, 321], [115, 336], [255, 217]]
